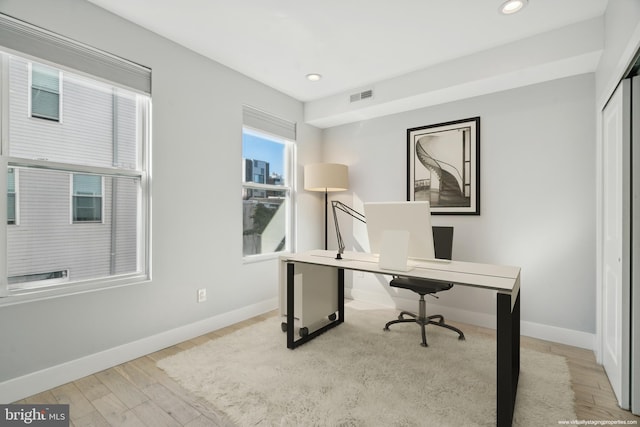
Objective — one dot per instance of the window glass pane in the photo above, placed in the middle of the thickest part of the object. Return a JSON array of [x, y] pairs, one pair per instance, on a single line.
[[11, 180], [45, 104], [264, 221], [45, 78], [265, 194], [87, 185], [87, 209], [11, 196], [45, 97], [98, 126], [46, 243], [263, 160], [11, 208]]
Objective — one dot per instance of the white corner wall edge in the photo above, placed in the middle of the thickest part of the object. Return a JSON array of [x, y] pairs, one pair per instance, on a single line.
[[36, 382], [530, 329]]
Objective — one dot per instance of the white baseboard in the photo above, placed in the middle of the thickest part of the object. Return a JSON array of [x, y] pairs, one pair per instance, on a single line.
[[36, 382], [486, 320], [559, 335]]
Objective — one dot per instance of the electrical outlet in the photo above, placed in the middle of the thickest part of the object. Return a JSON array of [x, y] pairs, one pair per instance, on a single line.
[[202, 295]]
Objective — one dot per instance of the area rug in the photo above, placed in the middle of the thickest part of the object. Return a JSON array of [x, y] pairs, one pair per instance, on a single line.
[[359, 375]]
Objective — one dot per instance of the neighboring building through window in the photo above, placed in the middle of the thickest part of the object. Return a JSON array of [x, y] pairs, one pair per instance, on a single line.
[[45, 92], [266, 193]]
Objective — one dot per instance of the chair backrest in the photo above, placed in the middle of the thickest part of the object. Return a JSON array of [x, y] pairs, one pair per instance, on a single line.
[[442, 241]]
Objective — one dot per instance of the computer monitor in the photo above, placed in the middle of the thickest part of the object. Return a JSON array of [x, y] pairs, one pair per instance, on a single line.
[[412, 217]]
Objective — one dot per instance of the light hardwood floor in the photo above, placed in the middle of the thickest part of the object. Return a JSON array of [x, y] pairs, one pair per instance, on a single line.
[[137, 393]]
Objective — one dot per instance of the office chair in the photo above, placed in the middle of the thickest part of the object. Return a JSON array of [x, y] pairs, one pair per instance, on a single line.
[[443, 243]]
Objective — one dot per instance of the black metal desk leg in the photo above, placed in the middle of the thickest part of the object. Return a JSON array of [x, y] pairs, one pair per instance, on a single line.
[[508, 357], [515, 319], [290, 305], [341, 295]]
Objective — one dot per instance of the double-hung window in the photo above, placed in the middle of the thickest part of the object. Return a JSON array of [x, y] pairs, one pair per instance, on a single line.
[[87, 198], [12, 216], [78, 140], [45, 92], [268, 154]]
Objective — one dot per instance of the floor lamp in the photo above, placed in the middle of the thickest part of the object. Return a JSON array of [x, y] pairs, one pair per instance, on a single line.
[[326, 177]]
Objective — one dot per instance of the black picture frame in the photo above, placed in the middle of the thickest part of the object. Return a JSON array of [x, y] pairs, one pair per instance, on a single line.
[[443, 166]]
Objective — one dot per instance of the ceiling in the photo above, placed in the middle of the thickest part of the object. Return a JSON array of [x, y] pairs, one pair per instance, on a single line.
[[351, 43]]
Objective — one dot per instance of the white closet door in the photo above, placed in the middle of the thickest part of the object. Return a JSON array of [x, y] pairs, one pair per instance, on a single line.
[[615, 262], [635, 246]]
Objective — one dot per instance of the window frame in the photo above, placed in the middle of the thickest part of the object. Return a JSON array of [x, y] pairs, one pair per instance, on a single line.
[[288, 188], [54, 288]]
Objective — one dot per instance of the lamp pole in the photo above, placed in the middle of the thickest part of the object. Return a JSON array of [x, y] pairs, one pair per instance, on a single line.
[[326, 227]]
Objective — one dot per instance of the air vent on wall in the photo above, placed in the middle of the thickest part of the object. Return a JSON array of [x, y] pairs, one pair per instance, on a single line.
[[361, 95]]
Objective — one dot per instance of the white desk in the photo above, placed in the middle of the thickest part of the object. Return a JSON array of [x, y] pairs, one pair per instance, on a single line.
[[503, 279]]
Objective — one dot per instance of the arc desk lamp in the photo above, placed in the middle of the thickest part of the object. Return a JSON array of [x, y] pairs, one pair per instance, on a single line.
[[336, 205]]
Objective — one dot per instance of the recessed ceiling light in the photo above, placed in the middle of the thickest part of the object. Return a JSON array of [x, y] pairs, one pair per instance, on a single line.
[[314, 77], [512, 6]]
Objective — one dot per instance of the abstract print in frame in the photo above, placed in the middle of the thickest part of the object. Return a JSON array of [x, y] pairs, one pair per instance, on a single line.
[[443, 166]]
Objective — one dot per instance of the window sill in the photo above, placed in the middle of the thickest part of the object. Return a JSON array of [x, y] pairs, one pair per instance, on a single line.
[[250, 259], [21, 296]]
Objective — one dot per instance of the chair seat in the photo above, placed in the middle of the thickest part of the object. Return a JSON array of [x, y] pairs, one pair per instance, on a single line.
[[420, 286]]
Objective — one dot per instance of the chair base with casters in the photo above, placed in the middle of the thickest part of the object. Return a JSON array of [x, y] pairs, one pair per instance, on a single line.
[[422, 287]]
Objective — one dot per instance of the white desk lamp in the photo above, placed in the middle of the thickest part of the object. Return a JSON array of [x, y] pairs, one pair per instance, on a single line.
[[327, 177]]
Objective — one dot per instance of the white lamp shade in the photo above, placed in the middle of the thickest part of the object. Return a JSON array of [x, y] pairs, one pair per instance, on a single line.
[[326, 177]]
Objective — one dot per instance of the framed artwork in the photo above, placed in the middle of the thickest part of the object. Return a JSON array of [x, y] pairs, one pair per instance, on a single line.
[[443, 166]]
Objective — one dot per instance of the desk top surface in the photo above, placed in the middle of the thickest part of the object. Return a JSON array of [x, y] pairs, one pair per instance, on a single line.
[[501, 278]]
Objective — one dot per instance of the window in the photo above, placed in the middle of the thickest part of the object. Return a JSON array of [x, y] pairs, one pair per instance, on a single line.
[[87, 198], [45, 92], [90, 168], [40, 279], [11, 197], [266, 192]]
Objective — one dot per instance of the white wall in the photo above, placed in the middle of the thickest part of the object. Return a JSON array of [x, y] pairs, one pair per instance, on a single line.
[[197, 214], [537, 194]]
